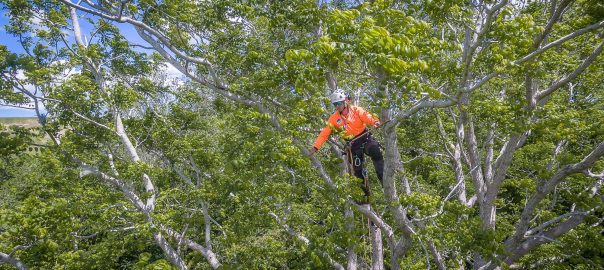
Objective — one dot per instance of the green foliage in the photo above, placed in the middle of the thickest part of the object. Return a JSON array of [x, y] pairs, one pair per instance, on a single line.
[[245, 165]]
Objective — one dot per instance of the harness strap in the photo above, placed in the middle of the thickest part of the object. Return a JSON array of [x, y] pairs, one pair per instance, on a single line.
[[357, 137]]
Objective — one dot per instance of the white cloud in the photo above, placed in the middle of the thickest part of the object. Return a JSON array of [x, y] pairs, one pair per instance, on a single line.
[[172, 72], [173, 76]]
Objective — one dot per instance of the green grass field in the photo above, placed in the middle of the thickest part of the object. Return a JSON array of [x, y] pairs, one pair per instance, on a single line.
[[22, 121]]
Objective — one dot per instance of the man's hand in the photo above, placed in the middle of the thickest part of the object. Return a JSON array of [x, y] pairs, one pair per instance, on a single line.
[[312, 151]]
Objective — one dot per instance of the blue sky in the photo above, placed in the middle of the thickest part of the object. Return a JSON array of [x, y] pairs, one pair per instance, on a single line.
[[13, 45]]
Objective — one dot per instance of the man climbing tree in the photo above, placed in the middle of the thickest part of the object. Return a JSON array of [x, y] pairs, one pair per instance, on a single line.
[[351, 122]]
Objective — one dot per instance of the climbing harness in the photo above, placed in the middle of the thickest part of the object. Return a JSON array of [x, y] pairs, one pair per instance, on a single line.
[[355, 160]]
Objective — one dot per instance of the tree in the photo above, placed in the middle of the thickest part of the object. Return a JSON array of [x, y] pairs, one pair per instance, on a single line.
[[495, 104]]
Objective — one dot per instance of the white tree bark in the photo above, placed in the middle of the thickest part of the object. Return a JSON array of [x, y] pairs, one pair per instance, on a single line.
[[5, 258], [523, 223], [437, 256], [351, 255], [172, 255], [306, 241], [377, 249]]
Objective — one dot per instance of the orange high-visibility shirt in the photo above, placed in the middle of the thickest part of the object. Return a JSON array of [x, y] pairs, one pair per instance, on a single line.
[[352, 125]]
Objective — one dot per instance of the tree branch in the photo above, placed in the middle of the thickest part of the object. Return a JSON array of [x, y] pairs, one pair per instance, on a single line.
[[535, 53], [205, 252], [437, 257], [559, 41], [5, 258], [123, 19], [305, 240], [563, 81], [546, 188], [174, 258], [125, 188], [545, 237], [550, 24]]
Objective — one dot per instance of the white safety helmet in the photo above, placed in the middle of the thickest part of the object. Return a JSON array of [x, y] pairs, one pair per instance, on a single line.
[[337, 96]]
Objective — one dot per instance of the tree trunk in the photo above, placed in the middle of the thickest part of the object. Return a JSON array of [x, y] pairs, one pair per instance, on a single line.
[[351, 256], [377, 254]]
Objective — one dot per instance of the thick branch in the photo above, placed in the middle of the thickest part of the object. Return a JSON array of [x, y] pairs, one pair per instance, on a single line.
[[5, 258], [545, 237], [551, 222], [129, 147], [563, 81], [473, 156], [546, 188], [305, 240], [535, 53], [122, 19], [550, 24], [125, 188], [437, 257], [205, 252], [207, 223], [559, 41], [174, 258], [503, 162], [76, 27]]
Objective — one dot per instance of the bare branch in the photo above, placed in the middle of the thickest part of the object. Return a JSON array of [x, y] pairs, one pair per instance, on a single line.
[[473, 155], [305, 240], [121, 185], [207, 224], [551, 222], [559, 41], [535, 53], [502, 163], [365, 209], [469, 51], [289, 230], [174, 258], [92, 121], [123, 19], [488, 160], [555, 16], [5, 258], [545, 237], [437, 257], [423, 103], [207, 253], [566, 79], [546, 188]]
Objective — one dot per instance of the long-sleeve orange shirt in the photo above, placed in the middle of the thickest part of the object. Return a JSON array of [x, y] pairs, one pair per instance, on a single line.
[[352, 125]]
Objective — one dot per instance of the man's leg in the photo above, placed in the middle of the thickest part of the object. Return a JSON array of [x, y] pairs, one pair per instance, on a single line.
[[373, 150], [358, 159]]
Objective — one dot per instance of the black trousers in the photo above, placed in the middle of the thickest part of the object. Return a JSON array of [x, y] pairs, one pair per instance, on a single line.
[[366, 145]]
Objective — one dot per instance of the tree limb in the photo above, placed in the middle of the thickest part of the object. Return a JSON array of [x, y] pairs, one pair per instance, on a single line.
[[566, 79], [545, 237], [305, 240], [437, 257], [559, 41], [205, 252], [546, 188], [5, 258], [550, 24], [123, 19]]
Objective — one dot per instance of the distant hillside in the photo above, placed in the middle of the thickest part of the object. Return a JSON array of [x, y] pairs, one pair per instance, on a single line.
[[19, 121]]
